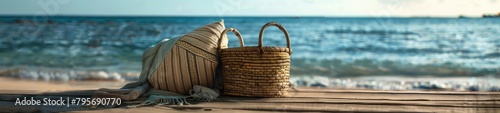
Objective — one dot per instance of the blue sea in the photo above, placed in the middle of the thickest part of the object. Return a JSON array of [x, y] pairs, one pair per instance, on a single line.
[[345, 50]]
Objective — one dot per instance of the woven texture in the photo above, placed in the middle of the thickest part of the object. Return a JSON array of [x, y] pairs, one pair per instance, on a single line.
[[191, 61], [256, 71]]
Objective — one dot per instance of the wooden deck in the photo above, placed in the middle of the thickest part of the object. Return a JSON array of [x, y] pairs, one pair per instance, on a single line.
[[300, 100]]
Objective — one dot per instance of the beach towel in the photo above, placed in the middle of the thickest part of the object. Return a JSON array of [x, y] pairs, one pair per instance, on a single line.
[[178, 68]]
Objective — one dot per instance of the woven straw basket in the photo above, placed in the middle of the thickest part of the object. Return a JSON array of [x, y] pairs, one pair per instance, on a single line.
[[256, 71]]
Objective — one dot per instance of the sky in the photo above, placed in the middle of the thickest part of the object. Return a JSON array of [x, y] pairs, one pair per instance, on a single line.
[[328, 8]]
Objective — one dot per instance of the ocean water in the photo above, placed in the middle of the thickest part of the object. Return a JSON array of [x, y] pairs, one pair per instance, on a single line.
[[330, 47]]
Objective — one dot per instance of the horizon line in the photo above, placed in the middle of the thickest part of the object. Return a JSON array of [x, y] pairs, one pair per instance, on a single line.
[[320, 16]]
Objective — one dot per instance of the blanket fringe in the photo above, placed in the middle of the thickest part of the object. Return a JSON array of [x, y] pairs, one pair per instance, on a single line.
[[163, 100]]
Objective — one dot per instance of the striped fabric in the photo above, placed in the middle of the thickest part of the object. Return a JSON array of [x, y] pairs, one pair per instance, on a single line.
[[191, 61]]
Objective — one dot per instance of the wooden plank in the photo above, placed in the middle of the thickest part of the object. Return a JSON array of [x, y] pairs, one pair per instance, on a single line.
[[301, 100], [335, 90], [464, 103], [390, 96], [321, 107], [49, 92]]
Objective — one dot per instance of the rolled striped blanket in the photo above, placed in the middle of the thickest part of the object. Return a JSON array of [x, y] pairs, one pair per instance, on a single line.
[[173, 67]]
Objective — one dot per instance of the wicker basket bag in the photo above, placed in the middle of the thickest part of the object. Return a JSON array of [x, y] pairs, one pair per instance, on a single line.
[[256, 71]]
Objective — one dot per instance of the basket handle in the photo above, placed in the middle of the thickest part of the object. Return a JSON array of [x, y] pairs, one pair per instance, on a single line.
[[281, 28], [236, 32]]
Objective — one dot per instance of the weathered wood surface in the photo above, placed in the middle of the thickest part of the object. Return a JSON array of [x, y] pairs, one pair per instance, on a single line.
[[300, 100]]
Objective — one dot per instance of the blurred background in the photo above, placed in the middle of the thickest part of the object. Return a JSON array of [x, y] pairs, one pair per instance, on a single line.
[[369, 44]]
